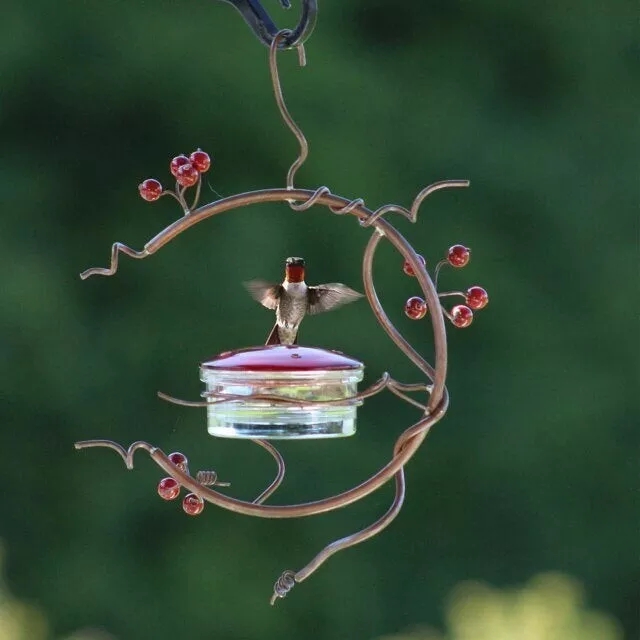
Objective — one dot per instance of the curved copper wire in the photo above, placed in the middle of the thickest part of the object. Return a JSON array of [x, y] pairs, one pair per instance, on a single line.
[[413, 436], [277, 481], [410, 440], [385, 382], [286, 116]]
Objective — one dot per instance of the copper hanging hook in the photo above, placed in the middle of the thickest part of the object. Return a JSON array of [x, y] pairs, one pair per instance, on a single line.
[[264, 28]]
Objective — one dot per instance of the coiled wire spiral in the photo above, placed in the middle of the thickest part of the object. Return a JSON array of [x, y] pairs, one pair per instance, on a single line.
[[283, 585]]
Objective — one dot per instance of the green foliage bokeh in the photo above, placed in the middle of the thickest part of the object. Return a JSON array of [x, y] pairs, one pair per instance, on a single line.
[[534, 466]]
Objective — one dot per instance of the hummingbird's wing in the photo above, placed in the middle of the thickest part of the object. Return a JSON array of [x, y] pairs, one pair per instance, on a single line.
[[329, 296], [266, 293]]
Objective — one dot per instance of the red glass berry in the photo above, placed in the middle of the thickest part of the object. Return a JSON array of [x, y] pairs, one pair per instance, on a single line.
[[458, 255], [200, 160], [150, 189], [461, 316], [408, 269], [180, 460], [187, 175], [415, 308], [192, 504], [168, 489], [176, 163], [477, 298]]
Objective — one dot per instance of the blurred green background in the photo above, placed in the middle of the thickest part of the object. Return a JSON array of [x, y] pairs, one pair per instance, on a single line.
[[535, 466]]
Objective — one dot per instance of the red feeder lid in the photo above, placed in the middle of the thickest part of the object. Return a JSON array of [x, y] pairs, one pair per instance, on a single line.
[[280, 357]]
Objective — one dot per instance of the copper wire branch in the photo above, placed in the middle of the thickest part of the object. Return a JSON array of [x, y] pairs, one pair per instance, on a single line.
[[409, 441], [385, 382]]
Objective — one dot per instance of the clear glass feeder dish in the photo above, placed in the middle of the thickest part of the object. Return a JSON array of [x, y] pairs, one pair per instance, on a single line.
[[305, 374]]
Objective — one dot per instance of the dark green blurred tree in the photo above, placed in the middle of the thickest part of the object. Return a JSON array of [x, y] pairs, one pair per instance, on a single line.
[[535, 465]]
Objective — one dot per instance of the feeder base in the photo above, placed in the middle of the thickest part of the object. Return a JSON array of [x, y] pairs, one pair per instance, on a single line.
[[305, 425]]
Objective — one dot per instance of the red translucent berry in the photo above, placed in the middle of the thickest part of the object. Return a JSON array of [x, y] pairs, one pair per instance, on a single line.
[[200, 160], [458, 255], [150, 189], [415, 308], [408, 269], [176, 163], [477, 298], [168, 489], [179, 459], [461, 316], [187, 175], [192, 504]]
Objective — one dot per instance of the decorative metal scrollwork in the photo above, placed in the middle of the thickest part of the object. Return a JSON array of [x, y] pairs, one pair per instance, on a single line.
[[429, 397]]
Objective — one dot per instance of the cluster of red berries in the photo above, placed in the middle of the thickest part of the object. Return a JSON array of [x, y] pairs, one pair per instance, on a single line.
[[169, 489], [186, 171], [461, 315]]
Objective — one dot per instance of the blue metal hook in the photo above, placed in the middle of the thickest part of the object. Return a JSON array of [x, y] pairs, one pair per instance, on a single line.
[[264, 28]]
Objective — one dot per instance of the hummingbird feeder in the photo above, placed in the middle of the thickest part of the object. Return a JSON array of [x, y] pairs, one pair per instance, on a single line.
[[291, 391], [247, 393]]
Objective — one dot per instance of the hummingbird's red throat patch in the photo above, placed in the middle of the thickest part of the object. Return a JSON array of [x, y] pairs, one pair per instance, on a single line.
[[294, 273]]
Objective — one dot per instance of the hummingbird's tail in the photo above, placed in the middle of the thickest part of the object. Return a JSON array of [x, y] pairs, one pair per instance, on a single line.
[[274, 337]]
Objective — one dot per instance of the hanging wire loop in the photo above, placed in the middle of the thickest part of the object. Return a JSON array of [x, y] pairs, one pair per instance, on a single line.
[[265, 29]]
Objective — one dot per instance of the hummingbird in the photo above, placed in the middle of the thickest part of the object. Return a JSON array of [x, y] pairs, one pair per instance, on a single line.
[[293, 299]]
